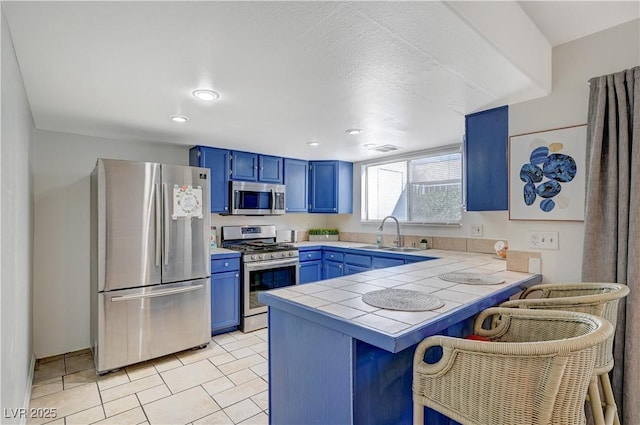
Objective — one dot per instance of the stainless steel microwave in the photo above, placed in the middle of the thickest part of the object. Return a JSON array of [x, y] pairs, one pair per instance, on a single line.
[[249, 198]]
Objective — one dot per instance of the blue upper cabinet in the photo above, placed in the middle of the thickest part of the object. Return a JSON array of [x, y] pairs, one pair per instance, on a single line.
[[487, 171], [244, 166], [296, 175], [249, 166], [270, 169], [217, 161], [330, 187]]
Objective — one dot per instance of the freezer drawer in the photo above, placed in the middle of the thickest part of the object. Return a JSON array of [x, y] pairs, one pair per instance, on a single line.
[[143, 323]]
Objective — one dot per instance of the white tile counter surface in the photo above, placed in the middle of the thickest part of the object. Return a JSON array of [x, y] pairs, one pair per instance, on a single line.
[[341, 298]]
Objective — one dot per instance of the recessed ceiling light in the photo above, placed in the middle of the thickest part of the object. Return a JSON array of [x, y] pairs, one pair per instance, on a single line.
[[354, 131], [179, 118], [368, 145], [313, 143], [206, 95]]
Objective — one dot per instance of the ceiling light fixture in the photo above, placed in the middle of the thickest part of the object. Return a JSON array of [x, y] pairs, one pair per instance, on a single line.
[[206, 95], [179, 118], [354, 131], [314, 144], [368, 145]]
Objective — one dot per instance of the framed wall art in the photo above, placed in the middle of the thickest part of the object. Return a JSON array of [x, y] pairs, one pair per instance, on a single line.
[[547, 174]]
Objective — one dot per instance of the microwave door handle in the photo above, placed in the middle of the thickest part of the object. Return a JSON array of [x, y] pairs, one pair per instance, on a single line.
[[273, 202], [158, 209]]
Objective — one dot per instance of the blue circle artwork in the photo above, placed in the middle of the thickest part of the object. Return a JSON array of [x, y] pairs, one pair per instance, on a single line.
[[529, 193], [547, 205], [556, 167], [548, 189], [559, 167], [529, 173], [538, 155]]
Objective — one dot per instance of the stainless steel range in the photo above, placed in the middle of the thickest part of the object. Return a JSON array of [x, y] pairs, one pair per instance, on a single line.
[[266, 265]]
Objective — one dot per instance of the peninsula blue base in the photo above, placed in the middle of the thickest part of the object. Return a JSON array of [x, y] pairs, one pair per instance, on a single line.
[[318, 375]]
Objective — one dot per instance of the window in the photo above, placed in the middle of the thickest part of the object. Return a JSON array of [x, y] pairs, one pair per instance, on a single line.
[[424, 188]]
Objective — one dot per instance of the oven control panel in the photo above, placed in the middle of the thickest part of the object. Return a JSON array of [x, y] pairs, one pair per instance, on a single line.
[[265, 256]]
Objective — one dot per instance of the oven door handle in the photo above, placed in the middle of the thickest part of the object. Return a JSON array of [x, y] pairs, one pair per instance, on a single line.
[[269, 264]]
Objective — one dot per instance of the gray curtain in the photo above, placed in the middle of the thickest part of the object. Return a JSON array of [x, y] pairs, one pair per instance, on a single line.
[[612, 218]]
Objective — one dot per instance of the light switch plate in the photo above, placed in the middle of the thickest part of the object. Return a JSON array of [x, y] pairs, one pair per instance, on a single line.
[[476, 230]]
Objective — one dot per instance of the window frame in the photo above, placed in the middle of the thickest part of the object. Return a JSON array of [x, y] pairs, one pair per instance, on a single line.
[[440, 151]]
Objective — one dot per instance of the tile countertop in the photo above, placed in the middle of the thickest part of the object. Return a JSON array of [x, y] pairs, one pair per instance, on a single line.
[[337, 303]]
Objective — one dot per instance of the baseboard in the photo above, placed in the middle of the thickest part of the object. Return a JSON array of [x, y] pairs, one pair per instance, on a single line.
[[27, 394]]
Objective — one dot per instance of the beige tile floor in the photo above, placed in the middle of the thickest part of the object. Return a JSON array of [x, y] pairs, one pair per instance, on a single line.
[[224, 383]]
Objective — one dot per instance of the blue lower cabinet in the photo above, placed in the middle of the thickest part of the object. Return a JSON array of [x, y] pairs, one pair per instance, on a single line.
[[333, 269], [310, 271], [351, 269], [225, 294], [382, 262]]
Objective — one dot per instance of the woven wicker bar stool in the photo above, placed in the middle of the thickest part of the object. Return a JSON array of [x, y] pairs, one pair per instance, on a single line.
[[596, 298], [535, 370]]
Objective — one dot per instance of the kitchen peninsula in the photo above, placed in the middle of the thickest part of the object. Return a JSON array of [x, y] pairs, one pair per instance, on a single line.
[[334, 359]]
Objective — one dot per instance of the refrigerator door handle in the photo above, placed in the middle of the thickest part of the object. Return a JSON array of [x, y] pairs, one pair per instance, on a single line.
[[165, 242], [157, 293], [158, 225]]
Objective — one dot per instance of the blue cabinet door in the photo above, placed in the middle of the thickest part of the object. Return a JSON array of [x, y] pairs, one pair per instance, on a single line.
[[351, 269], [487, 171], [270, 169], [296, 176], [225, 300], [217, 161], [383, 262], [333, 269], [330, 187], [310, 271], [244, 166]]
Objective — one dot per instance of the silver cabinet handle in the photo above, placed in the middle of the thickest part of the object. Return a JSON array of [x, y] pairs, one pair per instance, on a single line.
[[226, 264], [157, 293]]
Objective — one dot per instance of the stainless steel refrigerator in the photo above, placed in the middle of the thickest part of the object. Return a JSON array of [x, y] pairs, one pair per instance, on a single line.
[[150, 269]]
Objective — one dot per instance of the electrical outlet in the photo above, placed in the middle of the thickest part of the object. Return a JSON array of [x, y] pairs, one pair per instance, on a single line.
[[543, 240], [476, 230]]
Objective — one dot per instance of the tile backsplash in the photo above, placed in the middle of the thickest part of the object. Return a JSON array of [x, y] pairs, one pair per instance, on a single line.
[[437, 242]]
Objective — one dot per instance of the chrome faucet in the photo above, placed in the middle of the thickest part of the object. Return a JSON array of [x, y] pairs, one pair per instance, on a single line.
[[397, 241]]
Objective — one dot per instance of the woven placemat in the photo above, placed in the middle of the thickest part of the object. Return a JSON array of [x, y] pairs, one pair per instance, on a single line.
[[402, 299], [471, 278]]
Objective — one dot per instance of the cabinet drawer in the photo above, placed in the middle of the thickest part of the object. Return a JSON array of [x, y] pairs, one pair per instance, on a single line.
[[310, 255], [334, 256], [358, 260], [220, 265]]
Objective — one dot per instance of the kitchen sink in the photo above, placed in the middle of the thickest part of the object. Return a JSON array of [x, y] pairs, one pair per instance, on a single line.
[[376, 247]]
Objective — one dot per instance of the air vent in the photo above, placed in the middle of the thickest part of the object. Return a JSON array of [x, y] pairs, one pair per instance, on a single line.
[[385, 148]]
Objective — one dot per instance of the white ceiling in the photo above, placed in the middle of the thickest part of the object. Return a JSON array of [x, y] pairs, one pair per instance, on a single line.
[[287, 72]]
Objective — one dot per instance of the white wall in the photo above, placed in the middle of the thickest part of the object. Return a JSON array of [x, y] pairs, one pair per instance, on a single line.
[[16, 231], [574, 63], [62, 164]]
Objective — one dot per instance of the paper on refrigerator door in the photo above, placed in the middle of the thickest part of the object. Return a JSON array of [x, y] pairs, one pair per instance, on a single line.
[[187, 202]]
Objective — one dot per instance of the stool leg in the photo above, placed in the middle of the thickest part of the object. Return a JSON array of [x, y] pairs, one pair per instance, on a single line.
[[611, 409], [418, 414], [596, 403]]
